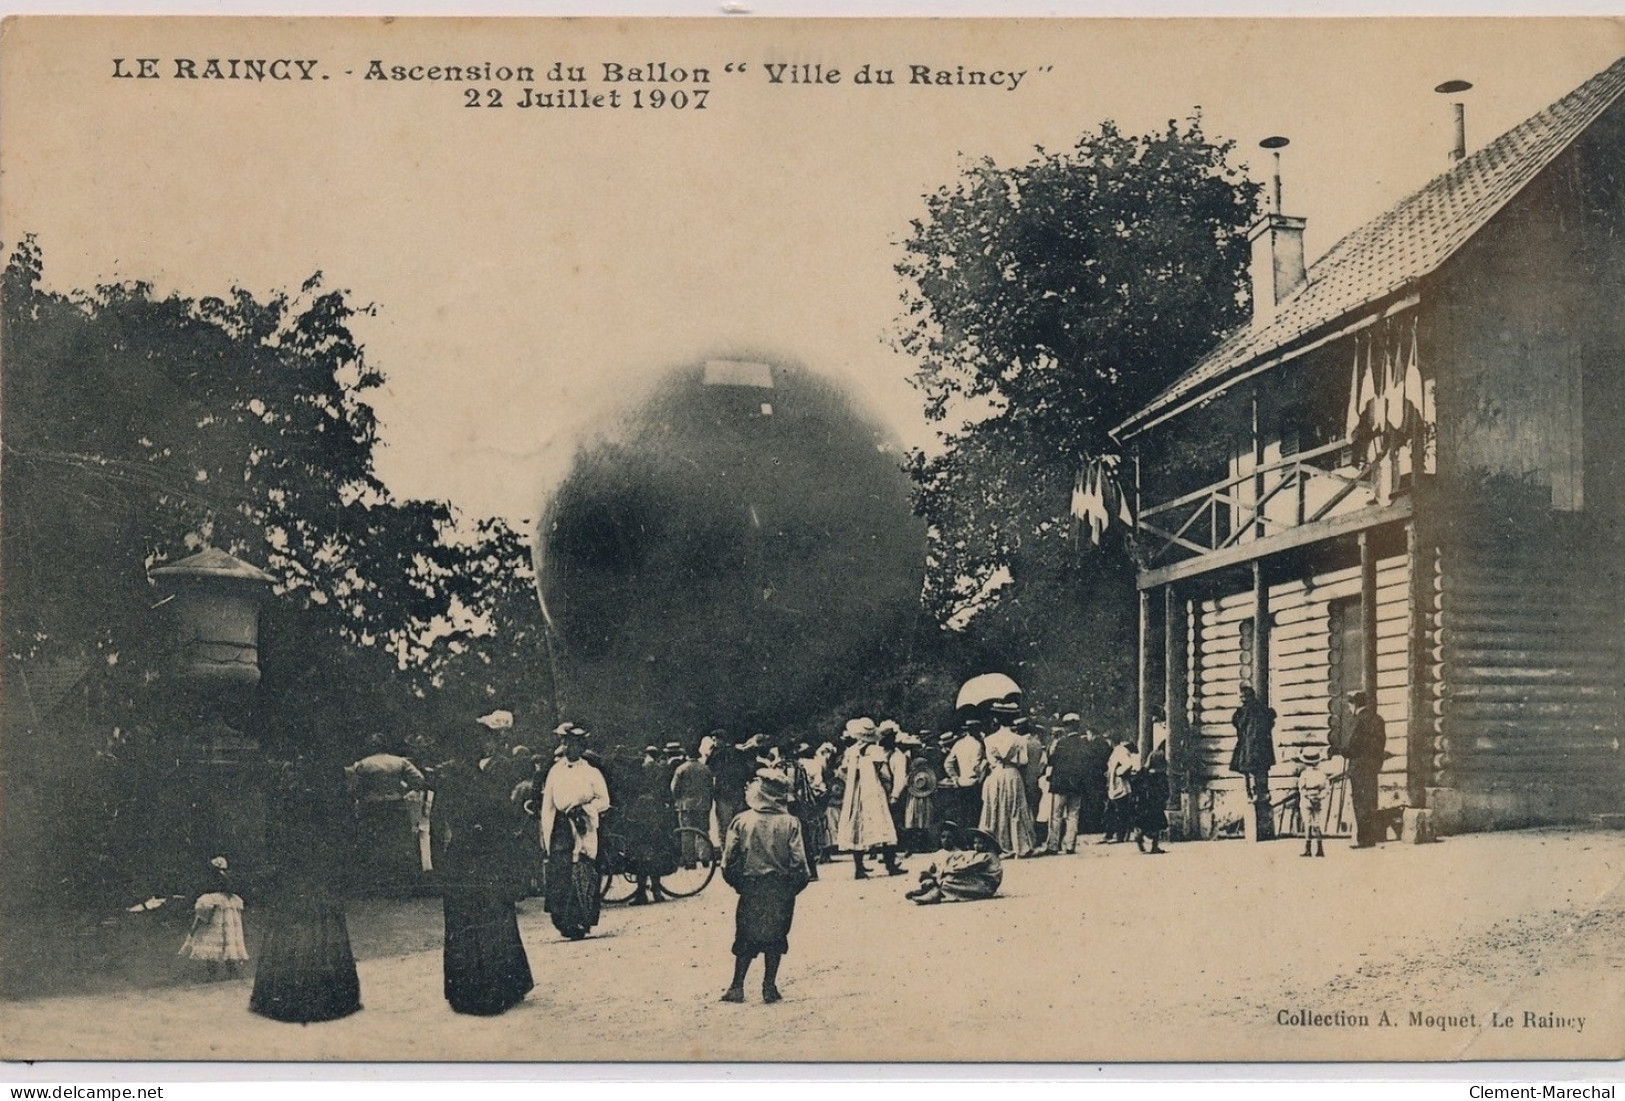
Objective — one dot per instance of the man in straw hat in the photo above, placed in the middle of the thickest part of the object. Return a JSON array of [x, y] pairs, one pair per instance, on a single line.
[[965, 766], [866, 821], [765, 860], [1068, 779]]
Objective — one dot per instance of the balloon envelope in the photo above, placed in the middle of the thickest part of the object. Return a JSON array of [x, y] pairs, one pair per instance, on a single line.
[[735, 554]]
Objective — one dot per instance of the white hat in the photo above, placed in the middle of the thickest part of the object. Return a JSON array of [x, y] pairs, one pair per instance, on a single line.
[[863, 729], [219, 862], [497, 720]]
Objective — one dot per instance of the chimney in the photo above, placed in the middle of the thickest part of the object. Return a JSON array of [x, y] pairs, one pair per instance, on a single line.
[[1277, 239], [1450, 88]]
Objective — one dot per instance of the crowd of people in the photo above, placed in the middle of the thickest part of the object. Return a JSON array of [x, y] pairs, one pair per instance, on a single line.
[[491, 822]]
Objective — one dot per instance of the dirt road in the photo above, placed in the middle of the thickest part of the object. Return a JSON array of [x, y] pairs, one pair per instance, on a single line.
[[1216, 951]]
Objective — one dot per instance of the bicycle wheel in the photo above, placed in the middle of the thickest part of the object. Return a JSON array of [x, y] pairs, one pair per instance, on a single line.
[[618, 886], [691, 878]]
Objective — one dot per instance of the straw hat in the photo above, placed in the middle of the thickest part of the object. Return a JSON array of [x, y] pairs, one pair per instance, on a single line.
[[862, 730]]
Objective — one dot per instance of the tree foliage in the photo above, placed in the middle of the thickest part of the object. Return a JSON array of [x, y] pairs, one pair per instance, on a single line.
[[140, 428], [1045, 302]]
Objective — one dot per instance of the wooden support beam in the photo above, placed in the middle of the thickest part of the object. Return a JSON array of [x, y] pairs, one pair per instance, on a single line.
[[1145, 675], [1264, 824], [1368, 614], [1184, 780], [1258, 470], [1419, 735], [1261, 633]]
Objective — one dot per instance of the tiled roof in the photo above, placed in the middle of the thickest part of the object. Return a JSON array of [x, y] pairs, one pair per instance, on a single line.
[[1409, 241], [213, 562]]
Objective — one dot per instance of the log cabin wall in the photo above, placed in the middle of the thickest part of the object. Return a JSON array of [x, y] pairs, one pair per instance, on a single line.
[[1527, 667], [1314, 660], [1525, 693]]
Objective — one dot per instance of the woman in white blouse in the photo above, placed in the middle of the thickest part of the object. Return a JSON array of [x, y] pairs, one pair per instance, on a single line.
[[573, 798]]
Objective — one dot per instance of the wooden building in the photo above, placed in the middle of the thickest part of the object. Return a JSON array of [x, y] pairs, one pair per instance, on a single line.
[[1405, 475]]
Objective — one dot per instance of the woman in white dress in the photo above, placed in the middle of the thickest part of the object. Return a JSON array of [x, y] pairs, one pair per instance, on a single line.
[[1006, 813], [866, 821]]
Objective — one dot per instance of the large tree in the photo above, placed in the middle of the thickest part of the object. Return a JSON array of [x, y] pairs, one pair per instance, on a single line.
[[1043, 303], [141, 427]]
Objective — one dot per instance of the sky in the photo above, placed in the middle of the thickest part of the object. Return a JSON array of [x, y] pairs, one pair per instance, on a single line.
[[535, 271]]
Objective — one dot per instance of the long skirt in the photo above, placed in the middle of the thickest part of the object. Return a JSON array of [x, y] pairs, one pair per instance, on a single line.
[[866, 816], [767, 905], [486, 969], [572, 898], [307, 970], [1005, 811]]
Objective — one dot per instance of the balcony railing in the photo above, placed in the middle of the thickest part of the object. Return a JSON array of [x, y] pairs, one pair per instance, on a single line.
[[1291, 492]]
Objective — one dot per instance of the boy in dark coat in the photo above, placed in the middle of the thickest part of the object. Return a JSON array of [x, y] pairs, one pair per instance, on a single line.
[[765, 859]]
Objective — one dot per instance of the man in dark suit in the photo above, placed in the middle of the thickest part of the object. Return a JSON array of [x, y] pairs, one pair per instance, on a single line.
[[1069, 767], [1092, 810], [1367, 748]]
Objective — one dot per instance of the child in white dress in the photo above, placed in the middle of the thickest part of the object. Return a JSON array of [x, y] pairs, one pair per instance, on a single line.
[[1313, 786], [216, 936]]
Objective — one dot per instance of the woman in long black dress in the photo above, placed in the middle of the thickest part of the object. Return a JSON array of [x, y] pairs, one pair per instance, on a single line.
[[307, 970], [573, 798], [486, 970]]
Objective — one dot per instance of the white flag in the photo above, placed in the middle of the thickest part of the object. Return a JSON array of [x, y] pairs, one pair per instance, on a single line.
[[1394, 389]]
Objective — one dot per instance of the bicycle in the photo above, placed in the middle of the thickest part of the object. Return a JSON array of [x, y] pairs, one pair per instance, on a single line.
[[620, 878]]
